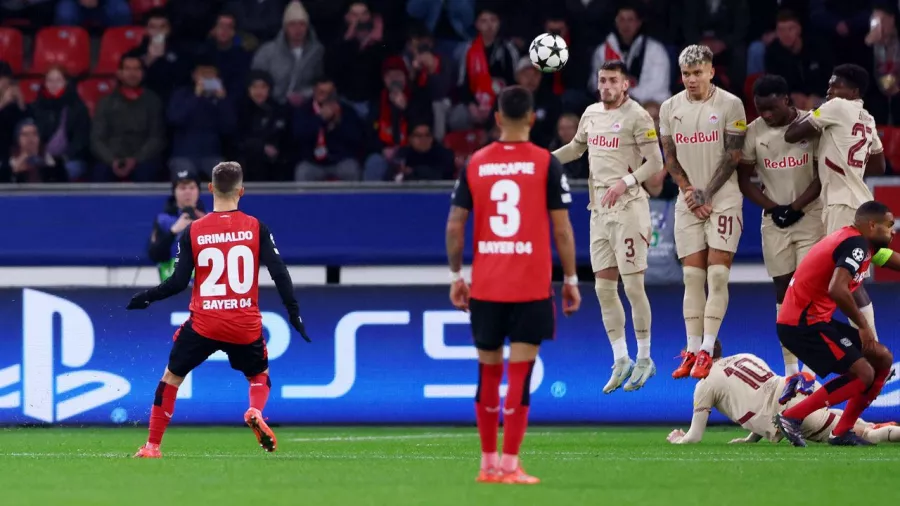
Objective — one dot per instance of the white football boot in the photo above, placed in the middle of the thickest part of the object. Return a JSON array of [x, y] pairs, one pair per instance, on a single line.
[[621, 372], [643, 370]]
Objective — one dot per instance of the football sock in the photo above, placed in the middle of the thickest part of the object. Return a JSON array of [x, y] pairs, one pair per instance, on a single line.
[[640, 311], [859, 402], [791, 364], [716, 304], [693, 306], [487, 411], [515, 413], [260, 385], [832, 393], [883, 435], [162, 411], [613, 314]]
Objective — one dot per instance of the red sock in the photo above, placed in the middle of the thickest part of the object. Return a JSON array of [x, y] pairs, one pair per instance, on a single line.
[[515, 413], [832, 393], [859, 402], [260, 385], [162, 411], [487, 405]]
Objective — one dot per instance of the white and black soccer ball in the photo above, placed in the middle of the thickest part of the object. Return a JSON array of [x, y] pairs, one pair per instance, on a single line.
[[548, 52]]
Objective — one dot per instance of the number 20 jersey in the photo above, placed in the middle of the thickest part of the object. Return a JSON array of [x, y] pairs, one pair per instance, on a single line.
[[510, 187], [848, 139], [225, 299]]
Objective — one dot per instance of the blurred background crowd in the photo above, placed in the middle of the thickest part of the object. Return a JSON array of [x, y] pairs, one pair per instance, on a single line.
[[376, 90]]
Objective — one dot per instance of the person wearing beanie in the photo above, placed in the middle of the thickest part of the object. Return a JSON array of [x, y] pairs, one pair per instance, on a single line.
[[294, 59], [181, 208]]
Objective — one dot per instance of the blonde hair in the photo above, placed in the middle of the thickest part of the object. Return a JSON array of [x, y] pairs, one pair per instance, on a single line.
[[695, 54]]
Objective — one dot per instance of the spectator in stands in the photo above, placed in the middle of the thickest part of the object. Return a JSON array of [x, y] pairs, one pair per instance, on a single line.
[[12, 108], [294, 59], [560, 81], [192, 20], [180, 210], [228, 55], [450, 22], [328, 135], [426, 69], [166, 67], [761, 32], [566, 129], [29, 163], [128, 134], [647, 60], [398, 106], [423, 159], [885, 44], [804, 65], [590, 21], [354, 61], [722, 26], [102, 13], [63, 122], [260, 19], [488, 66], [843, 25], [200, 116], [263, 129], [652, 109], [547, 106]]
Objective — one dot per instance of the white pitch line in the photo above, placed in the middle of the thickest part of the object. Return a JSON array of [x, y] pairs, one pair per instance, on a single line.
[[403, 437]]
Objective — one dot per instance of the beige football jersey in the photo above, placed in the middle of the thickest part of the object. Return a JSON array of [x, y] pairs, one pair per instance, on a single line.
[[848, 138], [698, 129], [743, 388], [614, 139], [785, 170]]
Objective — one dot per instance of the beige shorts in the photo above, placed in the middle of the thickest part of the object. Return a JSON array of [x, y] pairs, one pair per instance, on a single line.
[[783, 248], [721, 231], [621, 238], [837, 216]]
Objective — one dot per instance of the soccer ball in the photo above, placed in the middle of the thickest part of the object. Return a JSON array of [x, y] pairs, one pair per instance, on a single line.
[[548, 52]]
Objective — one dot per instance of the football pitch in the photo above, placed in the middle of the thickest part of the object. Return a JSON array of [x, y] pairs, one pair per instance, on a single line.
[[430, 466]]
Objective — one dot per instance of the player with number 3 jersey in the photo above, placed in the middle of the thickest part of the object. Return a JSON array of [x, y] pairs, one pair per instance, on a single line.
[[226, 247], [514, 189]]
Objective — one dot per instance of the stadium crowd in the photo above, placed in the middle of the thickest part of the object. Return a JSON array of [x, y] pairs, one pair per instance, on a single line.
[[376, 90]]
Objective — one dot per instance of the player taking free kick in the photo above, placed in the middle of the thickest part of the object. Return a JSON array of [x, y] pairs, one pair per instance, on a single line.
[[702, 131], [623, 151], [825, 280], [227, 248], [792, 216], [510, 186]]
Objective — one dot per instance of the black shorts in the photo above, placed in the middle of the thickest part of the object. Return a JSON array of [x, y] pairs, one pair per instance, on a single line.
[[522, 322], [826, 347], [191, 349]]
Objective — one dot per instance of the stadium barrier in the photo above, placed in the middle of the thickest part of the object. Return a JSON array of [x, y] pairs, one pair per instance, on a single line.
[[388, 355]]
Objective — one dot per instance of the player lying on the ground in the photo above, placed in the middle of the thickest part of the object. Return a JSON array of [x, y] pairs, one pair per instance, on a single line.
[[619, 135], [825, 280], [702, 132], [789, 190], [226, 247], [744, 389]]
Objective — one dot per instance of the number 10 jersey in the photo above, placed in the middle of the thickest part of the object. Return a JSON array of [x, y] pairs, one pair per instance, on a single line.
[[510, 187]]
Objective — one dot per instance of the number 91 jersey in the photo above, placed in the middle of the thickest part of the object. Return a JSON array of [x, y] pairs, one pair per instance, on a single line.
[[225, 299], [510, 187]]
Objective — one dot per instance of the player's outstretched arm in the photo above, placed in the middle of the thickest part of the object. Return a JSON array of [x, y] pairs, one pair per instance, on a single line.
[[802, 128], [673, 167], [176, 283], [271, 258], [571, 151], [734, 143], [876, 165], [695, 433], [752, 190]]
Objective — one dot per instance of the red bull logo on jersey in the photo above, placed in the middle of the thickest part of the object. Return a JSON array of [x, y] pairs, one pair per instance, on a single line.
[[604, 142], [697, 138], [788, 162]]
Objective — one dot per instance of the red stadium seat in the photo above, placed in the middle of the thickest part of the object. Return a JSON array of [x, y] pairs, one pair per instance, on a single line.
[[140, 7], [69, 46], [890, 138], [30, 88], [11, 48], [464, 143], [748, 92], [91, 90], [115, 43]]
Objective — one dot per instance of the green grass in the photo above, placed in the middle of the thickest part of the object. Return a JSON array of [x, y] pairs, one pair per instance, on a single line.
[[430, 466]]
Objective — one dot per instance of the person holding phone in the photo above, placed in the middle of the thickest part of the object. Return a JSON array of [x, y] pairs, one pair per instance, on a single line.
[[180, 210], [200, 116]]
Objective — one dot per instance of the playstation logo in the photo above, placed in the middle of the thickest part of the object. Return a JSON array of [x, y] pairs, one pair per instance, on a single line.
[[42, 395]]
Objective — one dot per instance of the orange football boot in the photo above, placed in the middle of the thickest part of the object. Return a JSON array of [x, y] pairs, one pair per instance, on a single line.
[[687, 362], [148, 451], [702, 366], [519, 477], [491, 475], [264, 434]]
